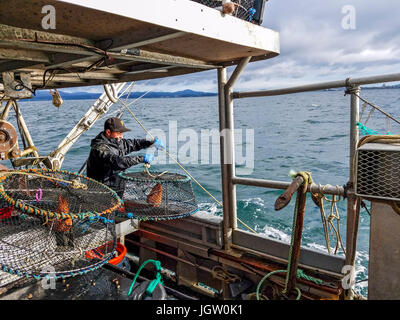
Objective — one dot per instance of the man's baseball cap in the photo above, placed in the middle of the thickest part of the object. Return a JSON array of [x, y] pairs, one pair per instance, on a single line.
[[115, 124]]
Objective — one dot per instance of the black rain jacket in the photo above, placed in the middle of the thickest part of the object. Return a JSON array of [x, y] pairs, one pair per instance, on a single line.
[[109, 157]]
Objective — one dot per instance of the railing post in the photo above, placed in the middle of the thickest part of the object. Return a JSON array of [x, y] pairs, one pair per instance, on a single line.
[[354, 118], [352, 212], [230, 155], [230, 132], [223, 146], [225, 89]]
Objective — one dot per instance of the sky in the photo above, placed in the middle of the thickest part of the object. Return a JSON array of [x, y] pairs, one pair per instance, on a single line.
[[319, 41]]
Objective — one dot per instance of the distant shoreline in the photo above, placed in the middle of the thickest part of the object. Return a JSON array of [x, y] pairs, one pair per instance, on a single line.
[[45, 95]]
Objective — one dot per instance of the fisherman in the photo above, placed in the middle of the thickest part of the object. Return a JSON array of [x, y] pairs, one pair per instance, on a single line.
[[109, 154]]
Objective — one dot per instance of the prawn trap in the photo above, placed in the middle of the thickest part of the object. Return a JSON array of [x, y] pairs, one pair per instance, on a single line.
[[53, 227], [57, 194], [157, 196]]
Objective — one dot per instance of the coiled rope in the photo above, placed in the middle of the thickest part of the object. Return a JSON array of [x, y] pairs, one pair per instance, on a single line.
[[327, 223], [146, 170], [75, 184]]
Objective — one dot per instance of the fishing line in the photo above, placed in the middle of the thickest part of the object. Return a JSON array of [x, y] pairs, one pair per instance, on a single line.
[[173, 159]]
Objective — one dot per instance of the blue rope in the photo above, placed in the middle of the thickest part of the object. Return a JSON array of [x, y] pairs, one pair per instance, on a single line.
[[132, 216]]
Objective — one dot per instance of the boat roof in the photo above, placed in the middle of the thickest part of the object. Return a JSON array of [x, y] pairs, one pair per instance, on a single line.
[[97, 42]]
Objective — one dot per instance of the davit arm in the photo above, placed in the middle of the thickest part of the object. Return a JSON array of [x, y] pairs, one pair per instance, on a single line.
[[100, 107]]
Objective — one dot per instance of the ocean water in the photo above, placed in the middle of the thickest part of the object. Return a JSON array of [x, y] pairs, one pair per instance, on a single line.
[[301, 132]]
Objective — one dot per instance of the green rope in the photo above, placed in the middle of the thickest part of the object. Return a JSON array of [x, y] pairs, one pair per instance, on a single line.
[[301, 274], [270, 274], [367, 131], [153, 284]]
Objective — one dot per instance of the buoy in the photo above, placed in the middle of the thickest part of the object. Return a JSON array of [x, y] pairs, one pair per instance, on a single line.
[[121, 249], [57, 100], [228, 7]]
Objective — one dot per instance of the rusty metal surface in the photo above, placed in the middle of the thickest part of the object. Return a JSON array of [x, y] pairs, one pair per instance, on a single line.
[[296, 244], [284, 199], [269, 267], [8, 139]]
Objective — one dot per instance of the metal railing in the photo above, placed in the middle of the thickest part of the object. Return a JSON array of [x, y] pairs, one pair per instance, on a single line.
[[229, 180]]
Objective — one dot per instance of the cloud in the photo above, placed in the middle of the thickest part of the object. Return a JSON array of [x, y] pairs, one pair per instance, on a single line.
[[314, 46]]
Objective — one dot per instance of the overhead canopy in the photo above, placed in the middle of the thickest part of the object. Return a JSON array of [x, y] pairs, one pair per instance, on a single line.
[[96, 42]]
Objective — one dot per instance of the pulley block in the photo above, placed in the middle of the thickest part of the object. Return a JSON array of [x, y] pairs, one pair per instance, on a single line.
[[8, 141]]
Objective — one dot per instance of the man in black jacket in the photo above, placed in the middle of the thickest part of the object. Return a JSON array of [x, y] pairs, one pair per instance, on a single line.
[[109, 153]]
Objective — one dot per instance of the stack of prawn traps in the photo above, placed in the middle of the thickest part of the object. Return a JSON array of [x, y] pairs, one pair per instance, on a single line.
[[55, 223], [157, 196]]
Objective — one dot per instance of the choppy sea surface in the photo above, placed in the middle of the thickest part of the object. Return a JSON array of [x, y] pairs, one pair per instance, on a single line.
[[301, 132]]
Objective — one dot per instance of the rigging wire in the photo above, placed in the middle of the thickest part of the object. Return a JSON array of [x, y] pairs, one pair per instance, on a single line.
[[179, 165], [106, 57], [377, 108], [69, 140]]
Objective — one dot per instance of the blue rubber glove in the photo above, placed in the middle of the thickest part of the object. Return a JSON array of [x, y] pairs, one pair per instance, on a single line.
[[252, 12], [159, 144], [148, 158]]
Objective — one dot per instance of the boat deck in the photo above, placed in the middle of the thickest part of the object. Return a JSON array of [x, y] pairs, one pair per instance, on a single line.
[[96, 42]]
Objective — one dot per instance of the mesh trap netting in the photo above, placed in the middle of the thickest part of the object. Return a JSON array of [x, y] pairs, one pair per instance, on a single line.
[[55, 223], [243, 8], [157, 196]]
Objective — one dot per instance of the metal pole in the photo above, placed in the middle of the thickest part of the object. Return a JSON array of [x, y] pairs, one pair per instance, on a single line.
[[230, 141], [352, 219], [25, 130], [354, 136], [284, 199], [229, 157], [224, 171], [6, 110], [297, 235], [319, 86], [100, 107], [313, 188], [237, 72]]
